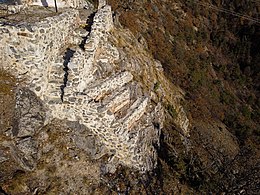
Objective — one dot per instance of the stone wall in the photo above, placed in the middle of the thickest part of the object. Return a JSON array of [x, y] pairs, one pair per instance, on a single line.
[[15, 6], [80, 81], [28, 49], [50, 3], [60, 3]]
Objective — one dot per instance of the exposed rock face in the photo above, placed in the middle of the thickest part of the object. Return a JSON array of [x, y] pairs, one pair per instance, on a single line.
[[18, 146], [30, 114]]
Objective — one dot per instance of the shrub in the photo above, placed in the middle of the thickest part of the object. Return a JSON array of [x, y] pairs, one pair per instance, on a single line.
[[226, 98], [246, 112], [171, 110], [156, 86]]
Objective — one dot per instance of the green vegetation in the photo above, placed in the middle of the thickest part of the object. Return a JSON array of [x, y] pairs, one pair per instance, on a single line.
[[226, 98], [156, 86], [171, 110]]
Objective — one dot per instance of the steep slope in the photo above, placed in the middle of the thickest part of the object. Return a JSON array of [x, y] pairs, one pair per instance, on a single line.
[[209, 49], [89, 105]]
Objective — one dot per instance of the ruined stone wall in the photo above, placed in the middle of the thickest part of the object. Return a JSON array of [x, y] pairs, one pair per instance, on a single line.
[[80, 81], [15, 6], [28, 49], [59, 3]]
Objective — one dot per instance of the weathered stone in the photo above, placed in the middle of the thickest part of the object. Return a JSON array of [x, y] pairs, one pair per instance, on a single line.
[[64, 81], [29, 114]]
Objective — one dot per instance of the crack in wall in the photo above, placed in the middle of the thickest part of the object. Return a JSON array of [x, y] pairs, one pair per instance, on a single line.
[[89, 23], [68, 55]]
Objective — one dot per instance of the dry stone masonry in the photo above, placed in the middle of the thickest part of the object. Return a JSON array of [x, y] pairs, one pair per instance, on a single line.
[[74, 73]]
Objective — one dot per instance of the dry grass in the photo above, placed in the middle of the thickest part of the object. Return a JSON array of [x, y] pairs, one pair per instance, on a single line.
[[7, 83], [7, 100]]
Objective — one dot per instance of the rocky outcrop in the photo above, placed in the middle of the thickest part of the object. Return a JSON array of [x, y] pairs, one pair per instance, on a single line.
[[18, 148]]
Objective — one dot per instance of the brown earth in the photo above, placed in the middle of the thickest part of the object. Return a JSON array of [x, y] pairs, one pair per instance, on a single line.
[[213, 56]]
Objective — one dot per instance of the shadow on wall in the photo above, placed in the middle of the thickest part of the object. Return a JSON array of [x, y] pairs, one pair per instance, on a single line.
[[11, 2], [18, 2], [44, 3]]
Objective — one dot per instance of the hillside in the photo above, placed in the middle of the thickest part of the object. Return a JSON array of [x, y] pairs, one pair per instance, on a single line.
[[211, 50], [143, 97]]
